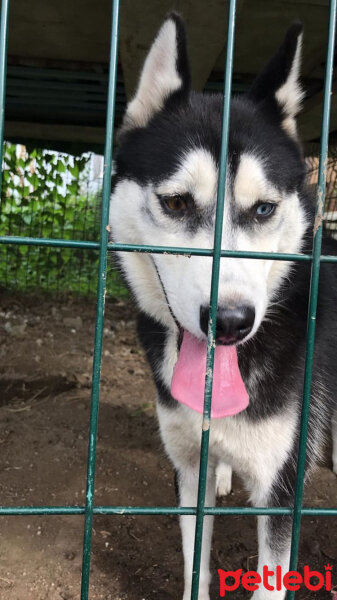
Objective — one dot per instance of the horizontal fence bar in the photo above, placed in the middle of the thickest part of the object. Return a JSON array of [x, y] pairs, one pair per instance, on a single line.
[[165, 510], [86, 245], [48, 242]]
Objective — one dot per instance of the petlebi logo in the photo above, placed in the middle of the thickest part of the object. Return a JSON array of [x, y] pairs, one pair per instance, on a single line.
[[275, 580]]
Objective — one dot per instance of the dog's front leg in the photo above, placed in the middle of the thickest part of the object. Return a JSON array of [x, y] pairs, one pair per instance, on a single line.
[[274, 533], [188, 492], [274, 536]]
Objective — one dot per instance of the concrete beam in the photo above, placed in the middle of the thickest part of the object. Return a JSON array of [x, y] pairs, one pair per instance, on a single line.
[[76, 31], [62, 133]]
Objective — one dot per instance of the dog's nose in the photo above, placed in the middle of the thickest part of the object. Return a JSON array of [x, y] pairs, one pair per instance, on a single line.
[[233, 324]]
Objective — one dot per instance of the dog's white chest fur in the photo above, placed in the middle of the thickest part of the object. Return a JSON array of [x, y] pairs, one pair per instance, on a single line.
[[255, 451]]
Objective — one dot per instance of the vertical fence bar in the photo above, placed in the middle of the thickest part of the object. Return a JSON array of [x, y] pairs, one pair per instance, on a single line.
[[3, 71], [213, 301], [101, 290], [316, 252]]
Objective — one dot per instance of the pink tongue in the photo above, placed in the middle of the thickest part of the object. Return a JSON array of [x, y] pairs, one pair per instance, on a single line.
[[188, 382]]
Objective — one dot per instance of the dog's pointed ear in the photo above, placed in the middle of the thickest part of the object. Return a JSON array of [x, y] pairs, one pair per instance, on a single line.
[[165, 76], [279, 80]]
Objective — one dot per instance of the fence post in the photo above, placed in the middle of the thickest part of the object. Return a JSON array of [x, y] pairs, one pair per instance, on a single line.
[[213, 301], [3, 72], [101, 291], [315, 267]]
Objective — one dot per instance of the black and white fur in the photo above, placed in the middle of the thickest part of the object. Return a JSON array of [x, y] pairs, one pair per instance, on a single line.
[[169, 146]]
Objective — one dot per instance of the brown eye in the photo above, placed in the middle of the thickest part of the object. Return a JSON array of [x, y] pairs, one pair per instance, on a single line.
[[174, 204]]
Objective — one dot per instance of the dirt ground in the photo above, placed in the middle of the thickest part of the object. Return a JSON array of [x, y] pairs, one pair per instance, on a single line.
[[45, 372]]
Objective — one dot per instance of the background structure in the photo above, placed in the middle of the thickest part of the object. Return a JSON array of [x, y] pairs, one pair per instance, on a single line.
[[58, 60], [57, 85]]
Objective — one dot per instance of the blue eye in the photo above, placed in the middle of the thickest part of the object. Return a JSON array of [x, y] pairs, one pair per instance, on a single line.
[[265, 209]]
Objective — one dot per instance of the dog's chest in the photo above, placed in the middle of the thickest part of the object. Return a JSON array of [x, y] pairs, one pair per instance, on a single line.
[[252, 449]]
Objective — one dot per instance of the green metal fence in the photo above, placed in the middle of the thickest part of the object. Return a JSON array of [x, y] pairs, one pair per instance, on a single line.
[[90, 509]]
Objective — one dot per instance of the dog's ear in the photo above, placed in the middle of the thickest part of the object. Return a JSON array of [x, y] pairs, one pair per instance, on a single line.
[[165, 78], [279, 81]]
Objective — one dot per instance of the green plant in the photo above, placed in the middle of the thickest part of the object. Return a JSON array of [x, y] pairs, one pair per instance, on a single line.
[[43, 195]]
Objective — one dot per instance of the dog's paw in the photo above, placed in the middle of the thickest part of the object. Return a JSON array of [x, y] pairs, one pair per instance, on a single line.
[[223, 479]]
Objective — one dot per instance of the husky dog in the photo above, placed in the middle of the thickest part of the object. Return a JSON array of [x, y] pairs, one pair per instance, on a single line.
[[165, 194]]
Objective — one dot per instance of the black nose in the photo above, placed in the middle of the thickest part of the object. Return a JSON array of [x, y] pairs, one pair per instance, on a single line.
[[233, 324]]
